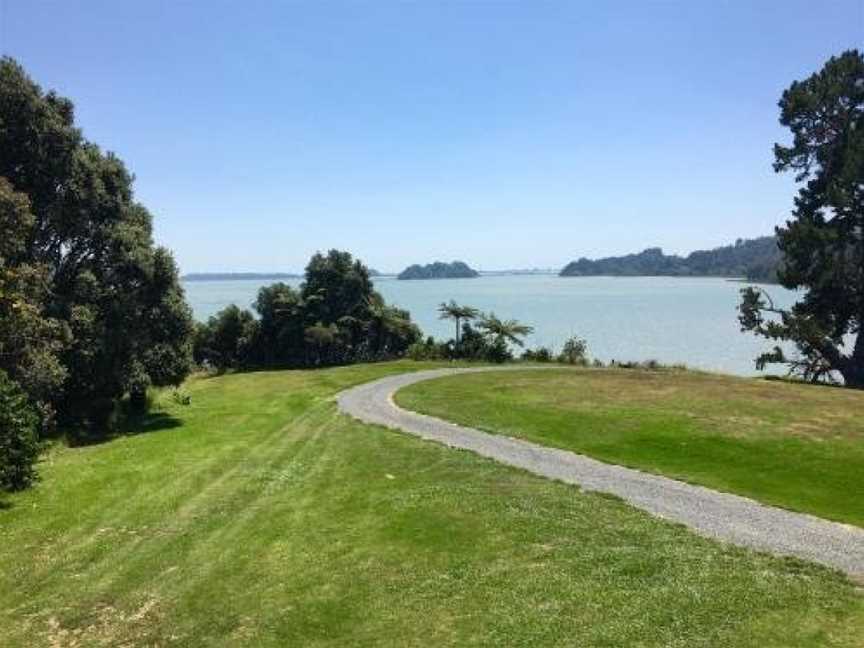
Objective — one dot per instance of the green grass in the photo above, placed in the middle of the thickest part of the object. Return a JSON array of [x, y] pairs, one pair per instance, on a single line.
[[791, 445], [258, 515]]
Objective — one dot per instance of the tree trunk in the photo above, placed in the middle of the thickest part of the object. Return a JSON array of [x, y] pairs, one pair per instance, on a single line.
[[138, 401], [853, 369]]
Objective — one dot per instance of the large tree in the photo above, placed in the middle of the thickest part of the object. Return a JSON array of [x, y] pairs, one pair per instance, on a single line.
[[346, 316], [823, 242], [114, 293]]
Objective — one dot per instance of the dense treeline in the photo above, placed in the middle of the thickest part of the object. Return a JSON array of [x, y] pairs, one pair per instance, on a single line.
[[90, 309], [439, 270], [755, 259], [334, 317]]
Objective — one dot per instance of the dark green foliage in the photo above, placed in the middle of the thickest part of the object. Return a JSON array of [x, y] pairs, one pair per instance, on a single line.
[[756, 259], [343, 318], [104, 311], [336, 288], [474, 345], [389, 330], [226, 339], [336, 317], [439, 270], [500, 334], [429, 349], [19, 444], [574, 351], [489, 341], [540, 354], [30, 340], [458, 314], [281, 325], [823, 243]]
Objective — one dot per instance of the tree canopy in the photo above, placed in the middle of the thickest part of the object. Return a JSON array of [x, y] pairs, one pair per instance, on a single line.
[[90, 308], [335, 317], [823, 241]]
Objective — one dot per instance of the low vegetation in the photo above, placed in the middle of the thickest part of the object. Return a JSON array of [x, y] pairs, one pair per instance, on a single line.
[[791, 445], [491, 339], [257, 515]]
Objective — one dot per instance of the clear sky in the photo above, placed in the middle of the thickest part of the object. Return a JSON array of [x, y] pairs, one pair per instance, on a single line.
[[506, 134]]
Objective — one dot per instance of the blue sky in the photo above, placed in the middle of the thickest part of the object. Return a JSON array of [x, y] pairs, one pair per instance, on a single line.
[[505, 134]]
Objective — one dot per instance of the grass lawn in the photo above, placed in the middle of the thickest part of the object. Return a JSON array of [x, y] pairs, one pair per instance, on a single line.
[[258, 515], [796, 446]]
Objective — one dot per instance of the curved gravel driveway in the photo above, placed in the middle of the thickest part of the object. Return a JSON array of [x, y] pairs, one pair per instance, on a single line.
[[726, 517]]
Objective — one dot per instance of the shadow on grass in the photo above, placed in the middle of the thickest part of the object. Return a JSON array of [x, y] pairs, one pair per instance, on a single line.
[[149, 422], [792, 380], [130, 425]]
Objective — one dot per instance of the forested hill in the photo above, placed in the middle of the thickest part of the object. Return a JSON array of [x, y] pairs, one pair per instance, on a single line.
[[439, 270], [755, 259]]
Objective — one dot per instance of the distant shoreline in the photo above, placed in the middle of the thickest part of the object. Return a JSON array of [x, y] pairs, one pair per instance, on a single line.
[[255, 276], [240, 276]]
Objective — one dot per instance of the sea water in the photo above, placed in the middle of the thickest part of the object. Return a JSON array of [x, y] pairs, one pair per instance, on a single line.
[[691, 321]]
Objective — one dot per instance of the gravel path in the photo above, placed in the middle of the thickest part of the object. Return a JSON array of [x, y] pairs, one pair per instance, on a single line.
[[726, 517]]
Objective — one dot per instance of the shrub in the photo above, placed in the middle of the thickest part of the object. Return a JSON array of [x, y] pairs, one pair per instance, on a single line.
[[575, 352], [497, 351], [540, 354], [473, 345], [19, 445], [181, 396], [429, 349]]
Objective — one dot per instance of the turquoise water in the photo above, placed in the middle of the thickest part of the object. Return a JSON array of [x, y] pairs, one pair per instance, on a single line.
[[670, 319]]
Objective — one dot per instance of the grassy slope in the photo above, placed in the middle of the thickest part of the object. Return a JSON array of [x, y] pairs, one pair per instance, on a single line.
[[797, 446], [258, 515]]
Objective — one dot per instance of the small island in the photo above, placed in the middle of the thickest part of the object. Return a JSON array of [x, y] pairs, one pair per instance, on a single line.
[[439, 270]]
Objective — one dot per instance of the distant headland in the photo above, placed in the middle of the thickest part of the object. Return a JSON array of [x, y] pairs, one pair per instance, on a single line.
[[753, 259], [439, 270]]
